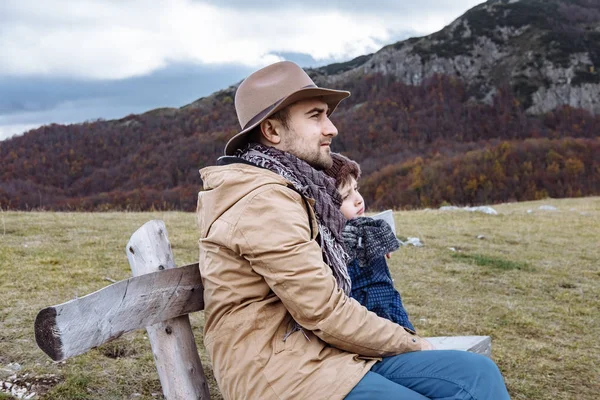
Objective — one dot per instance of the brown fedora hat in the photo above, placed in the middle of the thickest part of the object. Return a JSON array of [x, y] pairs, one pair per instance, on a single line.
[[271, 89]]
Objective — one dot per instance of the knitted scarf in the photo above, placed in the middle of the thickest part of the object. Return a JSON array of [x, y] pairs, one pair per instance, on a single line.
[[318, 186], [367, 238]]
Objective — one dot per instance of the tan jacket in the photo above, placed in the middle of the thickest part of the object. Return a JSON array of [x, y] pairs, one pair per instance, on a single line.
[[261, 268]]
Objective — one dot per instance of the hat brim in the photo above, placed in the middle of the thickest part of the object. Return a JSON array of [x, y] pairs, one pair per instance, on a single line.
[[330, 96]]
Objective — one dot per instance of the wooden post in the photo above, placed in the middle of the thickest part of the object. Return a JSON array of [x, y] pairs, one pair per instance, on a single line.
[[173, 345]]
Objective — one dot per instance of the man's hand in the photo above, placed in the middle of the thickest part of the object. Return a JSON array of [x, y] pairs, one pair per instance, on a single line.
[[388, 255], [426, 345]]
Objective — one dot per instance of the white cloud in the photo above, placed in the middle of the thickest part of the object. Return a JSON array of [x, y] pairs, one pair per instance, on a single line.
[[7, 131], [100, 39]]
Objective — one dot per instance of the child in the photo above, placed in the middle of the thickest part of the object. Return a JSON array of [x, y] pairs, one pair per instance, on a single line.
[[367, 241]]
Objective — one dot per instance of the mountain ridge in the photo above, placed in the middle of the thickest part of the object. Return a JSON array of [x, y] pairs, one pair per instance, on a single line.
[[547, 62]]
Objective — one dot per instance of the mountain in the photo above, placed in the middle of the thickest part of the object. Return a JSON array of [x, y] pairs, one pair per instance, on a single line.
[[546, 51], [502, 104]]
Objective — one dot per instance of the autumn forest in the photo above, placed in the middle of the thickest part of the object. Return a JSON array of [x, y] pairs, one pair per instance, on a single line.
[[419, 146]]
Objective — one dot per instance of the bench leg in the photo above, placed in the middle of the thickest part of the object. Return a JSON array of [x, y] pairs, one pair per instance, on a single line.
[[173, 344]]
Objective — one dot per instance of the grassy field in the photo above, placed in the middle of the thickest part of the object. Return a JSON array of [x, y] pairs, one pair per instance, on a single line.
[[531, 281]]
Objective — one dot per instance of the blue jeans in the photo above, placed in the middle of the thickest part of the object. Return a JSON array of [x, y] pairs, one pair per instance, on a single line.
[[435, 374]]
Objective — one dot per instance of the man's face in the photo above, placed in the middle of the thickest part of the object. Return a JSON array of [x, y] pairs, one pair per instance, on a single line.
[[310, 133]]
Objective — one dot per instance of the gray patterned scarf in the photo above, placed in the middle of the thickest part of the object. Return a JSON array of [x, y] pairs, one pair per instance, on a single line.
[[318, 186]]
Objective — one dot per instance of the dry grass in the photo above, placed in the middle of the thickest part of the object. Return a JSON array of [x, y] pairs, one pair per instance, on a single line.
[[533, 284]]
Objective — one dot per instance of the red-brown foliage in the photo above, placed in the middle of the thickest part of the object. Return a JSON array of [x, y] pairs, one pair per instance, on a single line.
[[151, 161]]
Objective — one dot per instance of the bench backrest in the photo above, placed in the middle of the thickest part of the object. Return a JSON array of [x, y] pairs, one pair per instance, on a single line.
[[157, 298], [74, 327]]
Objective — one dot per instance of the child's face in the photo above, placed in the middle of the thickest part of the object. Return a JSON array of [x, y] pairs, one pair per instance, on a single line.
[[353, 204]]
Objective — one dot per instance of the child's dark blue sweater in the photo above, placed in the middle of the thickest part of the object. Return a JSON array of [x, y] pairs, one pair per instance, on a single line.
[[372, 286]]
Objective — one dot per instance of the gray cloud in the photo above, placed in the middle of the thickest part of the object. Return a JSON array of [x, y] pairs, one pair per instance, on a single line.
[[29, 103], [371, 7]]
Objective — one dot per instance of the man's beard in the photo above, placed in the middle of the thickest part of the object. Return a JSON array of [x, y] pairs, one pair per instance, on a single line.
[[317, 159], [323, 162]]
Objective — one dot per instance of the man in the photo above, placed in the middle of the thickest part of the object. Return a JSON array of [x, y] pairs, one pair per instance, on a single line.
[[278, 320]]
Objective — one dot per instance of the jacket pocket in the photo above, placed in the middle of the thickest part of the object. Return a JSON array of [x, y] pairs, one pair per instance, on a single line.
[[286, 336]]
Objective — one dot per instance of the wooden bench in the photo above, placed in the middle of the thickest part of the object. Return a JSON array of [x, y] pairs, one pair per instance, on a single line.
[[159, 298]]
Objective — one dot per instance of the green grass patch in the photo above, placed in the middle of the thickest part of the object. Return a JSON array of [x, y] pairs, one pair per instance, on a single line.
[[493, 262], [74, 388]]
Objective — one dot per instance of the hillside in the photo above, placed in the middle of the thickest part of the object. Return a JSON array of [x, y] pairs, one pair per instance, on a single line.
[[428, 115]]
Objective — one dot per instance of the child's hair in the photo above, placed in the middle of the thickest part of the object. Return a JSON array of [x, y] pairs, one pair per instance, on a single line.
[[342, 170]]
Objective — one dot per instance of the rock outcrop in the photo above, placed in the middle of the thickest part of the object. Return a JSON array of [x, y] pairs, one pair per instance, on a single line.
[[546, 51]]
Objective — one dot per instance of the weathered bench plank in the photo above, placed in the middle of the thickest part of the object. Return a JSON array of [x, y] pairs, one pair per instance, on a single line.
[[74, 327], [474, 344], [175, 292]]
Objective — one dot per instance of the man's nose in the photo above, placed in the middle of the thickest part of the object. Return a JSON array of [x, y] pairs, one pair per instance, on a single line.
[[329, 128]]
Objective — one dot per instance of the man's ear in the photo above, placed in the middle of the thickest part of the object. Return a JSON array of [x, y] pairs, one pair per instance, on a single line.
[[271, 132]]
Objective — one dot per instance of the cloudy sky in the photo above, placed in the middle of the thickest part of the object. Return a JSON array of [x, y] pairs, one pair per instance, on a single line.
[[69, 61]]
